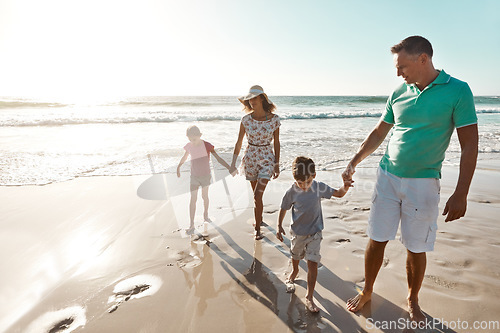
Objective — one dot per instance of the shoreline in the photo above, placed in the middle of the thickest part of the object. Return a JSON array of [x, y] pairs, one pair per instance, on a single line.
[[113, 243]]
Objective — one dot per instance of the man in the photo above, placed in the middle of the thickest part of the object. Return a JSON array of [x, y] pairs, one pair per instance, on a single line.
[[424, 112]]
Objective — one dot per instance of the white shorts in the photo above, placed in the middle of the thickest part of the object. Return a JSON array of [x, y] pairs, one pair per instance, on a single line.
[[414, 202], [307, 246]]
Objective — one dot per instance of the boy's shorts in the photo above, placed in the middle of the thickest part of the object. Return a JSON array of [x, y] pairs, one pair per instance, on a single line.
[[307, 246], [414, 202], [202, 181]]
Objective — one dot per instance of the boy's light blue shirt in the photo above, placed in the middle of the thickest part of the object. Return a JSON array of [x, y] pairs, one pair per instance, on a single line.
[[307, 218]]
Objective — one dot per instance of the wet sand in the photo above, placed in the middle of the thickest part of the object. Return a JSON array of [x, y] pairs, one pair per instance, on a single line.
[[108, 254]]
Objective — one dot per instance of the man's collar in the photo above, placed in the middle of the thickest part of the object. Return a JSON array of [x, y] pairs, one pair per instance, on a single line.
[[442, 78]]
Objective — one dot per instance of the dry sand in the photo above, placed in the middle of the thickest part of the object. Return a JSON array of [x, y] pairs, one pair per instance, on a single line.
[[105, 254]]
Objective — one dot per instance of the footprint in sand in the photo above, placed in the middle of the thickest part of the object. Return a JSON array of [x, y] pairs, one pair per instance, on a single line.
[[188, 260], [339, 241], [134, 287], [466, 263], [343, 240], [385, 262], [359, 253], [60, 321]]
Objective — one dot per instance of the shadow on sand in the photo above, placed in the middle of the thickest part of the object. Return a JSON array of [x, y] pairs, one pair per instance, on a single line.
[[288, 307], [378, 310]]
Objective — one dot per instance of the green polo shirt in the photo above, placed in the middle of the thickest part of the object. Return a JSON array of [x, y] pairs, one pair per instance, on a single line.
[[423, 124]]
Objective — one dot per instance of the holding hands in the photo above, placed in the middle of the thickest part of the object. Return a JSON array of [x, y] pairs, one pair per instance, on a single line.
[[347, 174]]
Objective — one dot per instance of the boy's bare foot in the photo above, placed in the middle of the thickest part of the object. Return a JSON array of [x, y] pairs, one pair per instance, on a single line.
[[207, 219], [290, 286], [311, 306], [293, 274], [190, 231], [415, 312], [258, 235], [357, 302]]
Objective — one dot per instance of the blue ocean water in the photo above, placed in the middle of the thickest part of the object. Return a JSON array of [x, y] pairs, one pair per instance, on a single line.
[[45, 141]]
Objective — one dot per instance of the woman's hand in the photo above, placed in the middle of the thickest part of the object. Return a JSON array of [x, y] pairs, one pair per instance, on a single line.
[[276, 172], [233, 171]]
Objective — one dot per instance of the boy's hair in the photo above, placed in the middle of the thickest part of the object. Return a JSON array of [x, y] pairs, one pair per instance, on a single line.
[[193, 131], [303, 167], [413, 45]]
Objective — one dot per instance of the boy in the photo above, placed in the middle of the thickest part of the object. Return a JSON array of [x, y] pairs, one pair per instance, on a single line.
[[304, 197], [200, 171]]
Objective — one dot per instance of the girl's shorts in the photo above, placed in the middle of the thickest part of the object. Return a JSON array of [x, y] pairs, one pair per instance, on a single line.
[[202, 181]]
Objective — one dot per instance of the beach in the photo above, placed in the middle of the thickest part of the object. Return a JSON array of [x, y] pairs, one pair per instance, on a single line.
[[108, 254], [93, 221]]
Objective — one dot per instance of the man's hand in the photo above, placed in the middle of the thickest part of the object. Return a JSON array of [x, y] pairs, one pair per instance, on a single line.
[[347, 174], [280, 233], [178, 172], [455, 207]]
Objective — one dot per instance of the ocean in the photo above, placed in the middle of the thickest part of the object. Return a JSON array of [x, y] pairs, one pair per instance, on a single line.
[[47, 141]]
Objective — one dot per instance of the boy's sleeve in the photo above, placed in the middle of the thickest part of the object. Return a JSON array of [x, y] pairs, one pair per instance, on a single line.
[[286, 202], [325, 191], [187, 147]]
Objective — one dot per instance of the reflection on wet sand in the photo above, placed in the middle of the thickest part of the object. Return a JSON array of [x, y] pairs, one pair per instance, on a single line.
[[200, 278], [266, 288]]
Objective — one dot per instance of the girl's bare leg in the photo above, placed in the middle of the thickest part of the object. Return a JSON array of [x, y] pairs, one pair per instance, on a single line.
[[204, 195], [192, 205]]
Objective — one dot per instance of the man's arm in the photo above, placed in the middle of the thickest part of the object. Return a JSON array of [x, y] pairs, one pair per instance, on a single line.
[[369, 145], [456, 205]]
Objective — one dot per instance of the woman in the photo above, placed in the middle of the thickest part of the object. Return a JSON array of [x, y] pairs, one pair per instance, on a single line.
[[260, 163]]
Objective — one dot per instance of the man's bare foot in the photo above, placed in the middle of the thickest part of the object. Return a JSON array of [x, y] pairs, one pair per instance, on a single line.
[[190, 231], [415, 312], [311, 306], [357, 302]]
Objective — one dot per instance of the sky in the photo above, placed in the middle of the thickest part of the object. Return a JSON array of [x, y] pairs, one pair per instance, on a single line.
[[99, 48]]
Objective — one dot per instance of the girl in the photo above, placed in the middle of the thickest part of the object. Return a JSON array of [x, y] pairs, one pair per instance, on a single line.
[[260, 163]]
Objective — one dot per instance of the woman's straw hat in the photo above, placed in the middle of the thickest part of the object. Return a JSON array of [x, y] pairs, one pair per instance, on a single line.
[[254, 92]]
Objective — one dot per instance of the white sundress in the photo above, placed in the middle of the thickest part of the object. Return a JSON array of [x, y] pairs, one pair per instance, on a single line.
[[259, 156]]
